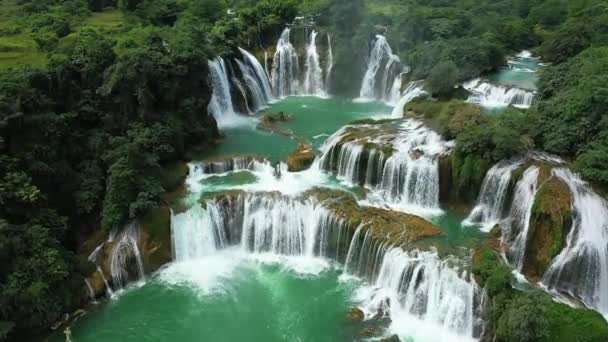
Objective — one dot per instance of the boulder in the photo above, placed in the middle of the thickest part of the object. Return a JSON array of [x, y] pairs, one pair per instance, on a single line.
[[272, 118], [355, 314], [300, 159]]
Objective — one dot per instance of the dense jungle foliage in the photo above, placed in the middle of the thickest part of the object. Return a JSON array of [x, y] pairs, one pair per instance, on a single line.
[[99, 97]]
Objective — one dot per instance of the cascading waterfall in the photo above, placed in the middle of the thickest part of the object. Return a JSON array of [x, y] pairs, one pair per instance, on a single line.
[[489, 95], [220, 105], [419, 288], [124, 251], [413, 90], [489, 209], [581, 269], [313, 77], [330, 64], [242, 93], [90, 291], [391, 90], [285, 67], [407, 179], [516, 228], [413, 287], [381, 53], [255, 79], [93, 257]]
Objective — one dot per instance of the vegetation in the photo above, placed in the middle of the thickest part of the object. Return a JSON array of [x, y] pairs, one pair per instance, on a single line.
[[530, 315], [101, 99]]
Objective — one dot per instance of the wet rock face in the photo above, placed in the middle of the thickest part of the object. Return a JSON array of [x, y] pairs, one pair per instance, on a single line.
[[549, 226], [400, 228], [355, 314], [300, 159]]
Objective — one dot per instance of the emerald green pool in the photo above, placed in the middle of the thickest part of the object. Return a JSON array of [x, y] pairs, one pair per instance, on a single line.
[[223, 298]]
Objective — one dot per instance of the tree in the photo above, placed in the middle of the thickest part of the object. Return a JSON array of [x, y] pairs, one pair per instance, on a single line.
[[524, 320], [442, 78]]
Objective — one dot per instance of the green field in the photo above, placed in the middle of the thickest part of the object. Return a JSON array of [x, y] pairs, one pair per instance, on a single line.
[[18, 48]]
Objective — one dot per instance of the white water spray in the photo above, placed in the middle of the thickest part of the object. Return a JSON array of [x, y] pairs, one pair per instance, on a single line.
[[124, 251], [313, 77], [330, 64], [489, 209], [413, 90], [220, 105], [381, 53], [515, 230], [285, 67], [581, 269], [489, 95]]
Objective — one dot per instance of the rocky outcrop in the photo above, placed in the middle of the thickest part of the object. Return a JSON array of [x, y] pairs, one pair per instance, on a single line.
[[398, 228], [152, 236], [300, 159], [272, 118], [549, 226]]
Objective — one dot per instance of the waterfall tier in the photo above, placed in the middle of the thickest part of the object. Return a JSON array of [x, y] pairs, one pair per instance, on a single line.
[[385, 85], [220, 105], [581, 269], [118, 260], [313, 76], [239, 87], [490, 205], [489, 95], [256, 80], [554, 227], [285, 67], [397, 159], [413, 90], [377, 245]]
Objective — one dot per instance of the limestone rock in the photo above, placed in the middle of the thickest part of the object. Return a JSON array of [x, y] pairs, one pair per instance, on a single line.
[[355, 314], [300, 159]]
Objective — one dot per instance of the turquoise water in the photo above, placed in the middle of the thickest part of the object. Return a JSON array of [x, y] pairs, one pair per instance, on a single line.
[[521, 73], [315, 118], [222, 299]]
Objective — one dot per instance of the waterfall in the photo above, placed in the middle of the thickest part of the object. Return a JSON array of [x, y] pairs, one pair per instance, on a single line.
[[266, 64], [428, 293], [255, 79], [407, 178], [515, 230], [330, 64], [415, 288], [124, 251], [93, 257], [197, 237], [242, 93], [313, 77], [490, 205], [220, 105], [381, 53], [90, 291], [413, 90], [285, 67], [489, 95], [581, 269]]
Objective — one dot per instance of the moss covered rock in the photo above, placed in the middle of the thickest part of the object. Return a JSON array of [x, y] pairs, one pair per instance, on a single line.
[[399, 228], [276, 117], [300, 159], [549, 226]]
